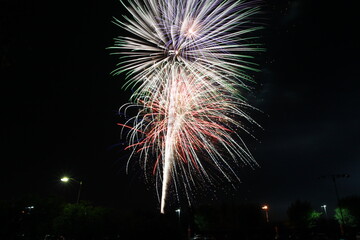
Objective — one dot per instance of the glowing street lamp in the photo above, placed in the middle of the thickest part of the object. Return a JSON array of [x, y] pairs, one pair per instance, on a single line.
[[334, 177], [178, 212], [324, 207], [266, 209], [67, 179]]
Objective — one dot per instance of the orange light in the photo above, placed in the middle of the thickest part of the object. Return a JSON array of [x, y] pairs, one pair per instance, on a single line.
[[265, 207]]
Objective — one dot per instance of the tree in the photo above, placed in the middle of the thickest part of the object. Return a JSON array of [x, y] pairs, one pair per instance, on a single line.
[[302, 217], [344, 217], [298, 214], [350, 207], [30, 215], [83, 221], [242, 220], [313, 218]]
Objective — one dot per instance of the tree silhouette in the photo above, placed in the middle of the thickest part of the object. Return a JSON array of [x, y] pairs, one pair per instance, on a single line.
[[302, 217], [351, 204]]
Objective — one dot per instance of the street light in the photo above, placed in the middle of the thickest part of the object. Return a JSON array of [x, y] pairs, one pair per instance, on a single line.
[[266, 209], [324, 207], [67, 179], [178, 211], [334, 177]]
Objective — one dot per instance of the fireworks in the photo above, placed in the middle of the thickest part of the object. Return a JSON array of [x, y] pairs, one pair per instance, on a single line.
[[186, 62]]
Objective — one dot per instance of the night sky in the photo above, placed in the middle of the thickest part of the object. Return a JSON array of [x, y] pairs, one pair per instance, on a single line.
[[60, 105]]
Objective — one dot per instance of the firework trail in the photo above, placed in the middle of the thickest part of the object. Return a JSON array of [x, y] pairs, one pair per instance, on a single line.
[[186, 62]]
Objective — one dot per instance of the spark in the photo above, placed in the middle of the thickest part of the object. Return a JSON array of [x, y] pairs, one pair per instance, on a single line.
[[187, 63]]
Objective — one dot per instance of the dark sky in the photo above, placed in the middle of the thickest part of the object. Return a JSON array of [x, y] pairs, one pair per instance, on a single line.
[[60, 103]]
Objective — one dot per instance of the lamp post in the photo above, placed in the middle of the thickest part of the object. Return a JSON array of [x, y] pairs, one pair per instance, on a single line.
[[178, 212], [67, 179], [266, 209], [324, 207], [333, 178]]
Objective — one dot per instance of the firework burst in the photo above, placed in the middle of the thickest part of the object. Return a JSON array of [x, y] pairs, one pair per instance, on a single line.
[[186, 61]]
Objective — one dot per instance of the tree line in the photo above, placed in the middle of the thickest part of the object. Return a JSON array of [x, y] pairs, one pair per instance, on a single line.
[[52, 218]]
